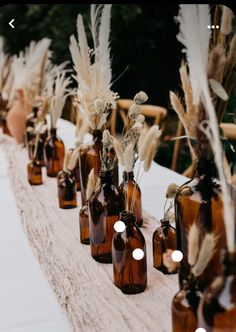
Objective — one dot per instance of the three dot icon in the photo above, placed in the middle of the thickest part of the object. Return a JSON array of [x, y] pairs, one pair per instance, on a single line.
[[213, 26]]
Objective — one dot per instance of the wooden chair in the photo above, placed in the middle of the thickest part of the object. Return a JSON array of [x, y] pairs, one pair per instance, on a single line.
[[229, 130], [158, 114]]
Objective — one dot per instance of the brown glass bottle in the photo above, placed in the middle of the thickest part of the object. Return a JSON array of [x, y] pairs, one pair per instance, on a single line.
[[132, 195], [184, 308], [130, 274], [89, 158], [66, 190], [163, 238], [34, 171], [217, 309], [3, 114], [104, 207], [199, 200], [54, 151], [84, 224]]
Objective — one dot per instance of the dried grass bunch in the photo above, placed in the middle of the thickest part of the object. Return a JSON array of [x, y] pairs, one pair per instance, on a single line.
[[193, 20], [93, 66], [29, 68], [5, 66], [216, 53]]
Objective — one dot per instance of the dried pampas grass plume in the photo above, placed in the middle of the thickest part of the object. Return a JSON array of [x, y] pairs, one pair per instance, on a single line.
[[193, 243], [205, 254], [226, 21], [73, 159], [91, 184], [119, 151], [153, 133], [129, 158]]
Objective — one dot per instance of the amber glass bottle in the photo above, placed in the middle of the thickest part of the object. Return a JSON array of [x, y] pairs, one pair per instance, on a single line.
[[133, 196], [199, 200], [54, 151], [3, 114], [66, 190], [84, 224], [104, 207], [34, 171], [31, 120], [163, 238], [130, 274], [89, 158], [217, 309], [184, 308]]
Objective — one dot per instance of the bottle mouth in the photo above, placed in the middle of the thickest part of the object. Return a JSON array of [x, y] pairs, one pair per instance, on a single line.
[[127, 215]]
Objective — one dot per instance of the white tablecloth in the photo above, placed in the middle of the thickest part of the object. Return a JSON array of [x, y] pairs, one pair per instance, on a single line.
[[27, 301]]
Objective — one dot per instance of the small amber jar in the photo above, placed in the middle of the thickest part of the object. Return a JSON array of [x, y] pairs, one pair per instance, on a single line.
[[130, 274], [66, 190], [84, 224], [164, 238], [54, 153], [132, 193], [34, 172]]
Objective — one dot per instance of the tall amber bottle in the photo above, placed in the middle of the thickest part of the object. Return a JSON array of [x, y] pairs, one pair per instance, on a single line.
[[184, 307], [164, 238], [54, 151], [130, 274], [89, 158], [31, 120], [217, 309], [133, 195], [199, 200], [77, 175], [104, 207]]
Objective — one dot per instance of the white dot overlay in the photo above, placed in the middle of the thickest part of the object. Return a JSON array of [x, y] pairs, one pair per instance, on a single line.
[[200, 329], [177, 256], [138, 254], [119, 226]]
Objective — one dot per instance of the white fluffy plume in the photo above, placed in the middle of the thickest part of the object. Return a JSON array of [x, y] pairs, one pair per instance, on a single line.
[[93, 66], [60, 93], [194, 34]]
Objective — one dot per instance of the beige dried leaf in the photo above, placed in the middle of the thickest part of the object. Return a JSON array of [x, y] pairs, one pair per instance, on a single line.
[[91, 184], [193, 243], [119, 151], [206, 253], [171, 190], [129, 157], [226, 21], [66, 160], [140, 98], [218, 89]]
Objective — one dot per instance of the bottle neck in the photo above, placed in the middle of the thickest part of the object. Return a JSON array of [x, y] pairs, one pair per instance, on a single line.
[[128, 217], [53, 131], [164, 223], [97, 135], [205, 167], [35, 111], [128, 175], [106, 177]]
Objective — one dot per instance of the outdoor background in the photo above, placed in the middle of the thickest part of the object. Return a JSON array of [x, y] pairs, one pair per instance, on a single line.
[[143, 44]]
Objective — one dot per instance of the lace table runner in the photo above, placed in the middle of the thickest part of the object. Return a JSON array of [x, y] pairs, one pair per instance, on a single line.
[[83, 287]]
